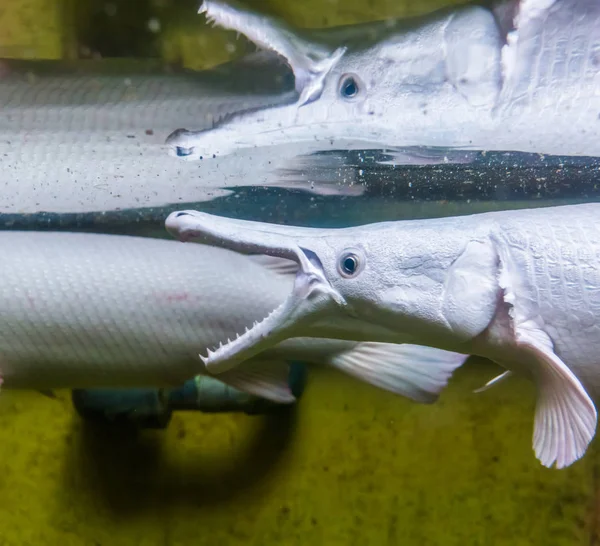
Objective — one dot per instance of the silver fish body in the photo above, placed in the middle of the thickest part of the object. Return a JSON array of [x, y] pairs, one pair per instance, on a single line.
[[520, 287], [88, 310], [89, 136]]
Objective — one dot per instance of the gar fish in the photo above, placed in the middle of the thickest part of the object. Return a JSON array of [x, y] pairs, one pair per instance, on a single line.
[[520, 287], [518, 76], [88, 310]]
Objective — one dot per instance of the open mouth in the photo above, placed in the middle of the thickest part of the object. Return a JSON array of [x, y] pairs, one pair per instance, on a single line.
[[310, 63], [311, 294]]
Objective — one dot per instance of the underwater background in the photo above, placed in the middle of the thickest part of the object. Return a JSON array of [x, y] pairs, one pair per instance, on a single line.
[[349, 465]]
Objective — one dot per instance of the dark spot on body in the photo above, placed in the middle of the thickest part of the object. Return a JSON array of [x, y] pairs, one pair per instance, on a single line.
[[313, 521], [4, 69], [176, 296], [130, 136], [149, 132]]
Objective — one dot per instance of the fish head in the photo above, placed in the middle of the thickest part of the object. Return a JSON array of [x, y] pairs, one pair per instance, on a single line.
[[366, 283], [390, 83]]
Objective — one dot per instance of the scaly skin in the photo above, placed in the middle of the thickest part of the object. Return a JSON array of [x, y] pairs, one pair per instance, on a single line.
[[84, 310], [520, 287]]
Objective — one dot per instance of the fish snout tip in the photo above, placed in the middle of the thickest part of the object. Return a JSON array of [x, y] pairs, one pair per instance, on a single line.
[[180, 145], [177, 224]]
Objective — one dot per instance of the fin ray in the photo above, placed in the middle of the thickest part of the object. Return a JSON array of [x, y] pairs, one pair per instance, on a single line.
[[267, 379], [494, 381], [565, 416], [416, 372]]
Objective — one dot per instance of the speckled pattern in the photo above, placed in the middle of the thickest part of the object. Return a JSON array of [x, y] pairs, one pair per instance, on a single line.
[[351, 465]]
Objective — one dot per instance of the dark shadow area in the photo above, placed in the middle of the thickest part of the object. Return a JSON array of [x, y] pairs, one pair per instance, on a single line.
[[118, 28], [128, 470]]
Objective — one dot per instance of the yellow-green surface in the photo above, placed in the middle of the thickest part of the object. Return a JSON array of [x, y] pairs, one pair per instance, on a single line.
[[352, 465]]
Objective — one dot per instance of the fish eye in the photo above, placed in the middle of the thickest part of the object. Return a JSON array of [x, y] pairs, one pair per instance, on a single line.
[[349, 86], [349, 264]]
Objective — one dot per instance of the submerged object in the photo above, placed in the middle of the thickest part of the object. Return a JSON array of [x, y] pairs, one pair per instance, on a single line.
[[154, 407], [84, 310], [520, 287], [519, 76]]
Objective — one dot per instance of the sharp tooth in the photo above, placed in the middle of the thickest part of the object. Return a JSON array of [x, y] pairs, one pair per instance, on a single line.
[[228, 340]]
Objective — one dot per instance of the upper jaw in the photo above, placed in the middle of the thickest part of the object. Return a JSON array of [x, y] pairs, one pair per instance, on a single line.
[[274, 125]]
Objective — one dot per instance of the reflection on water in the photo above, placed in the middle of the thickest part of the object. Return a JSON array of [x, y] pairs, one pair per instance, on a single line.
[[333, 189]]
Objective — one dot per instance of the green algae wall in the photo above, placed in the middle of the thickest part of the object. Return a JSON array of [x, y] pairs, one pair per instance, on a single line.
[[350, 465]]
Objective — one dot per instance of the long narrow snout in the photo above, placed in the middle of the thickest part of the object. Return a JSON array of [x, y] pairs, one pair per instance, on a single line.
[[312, 293], [243, 236]]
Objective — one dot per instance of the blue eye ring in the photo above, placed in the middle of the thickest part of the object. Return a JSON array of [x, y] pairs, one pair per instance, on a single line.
[[349, 264], [350, 86]]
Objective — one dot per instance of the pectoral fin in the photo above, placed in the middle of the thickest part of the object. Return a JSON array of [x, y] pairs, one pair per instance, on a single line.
[[417, 372], [269, 379], [565, 416]]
